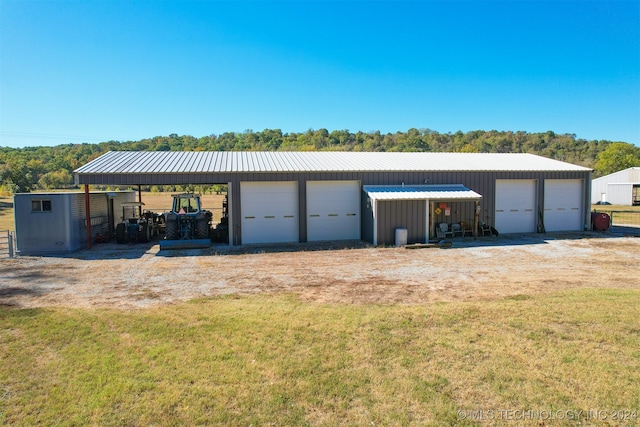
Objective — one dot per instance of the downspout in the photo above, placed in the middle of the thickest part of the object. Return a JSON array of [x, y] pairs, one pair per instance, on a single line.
[[87, 208]]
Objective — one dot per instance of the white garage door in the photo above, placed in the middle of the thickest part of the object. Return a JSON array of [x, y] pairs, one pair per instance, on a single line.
[[563, 204], [269, 212], [333, 210], [515, 206]]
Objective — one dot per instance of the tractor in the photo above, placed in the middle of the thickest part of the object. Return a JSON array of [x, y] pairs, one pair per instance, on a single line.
[[134, 227], [187, 225]]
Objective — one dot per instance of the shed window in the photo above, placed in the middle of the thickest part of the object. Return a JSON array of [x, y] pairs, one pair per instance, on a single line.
[[38, 205]]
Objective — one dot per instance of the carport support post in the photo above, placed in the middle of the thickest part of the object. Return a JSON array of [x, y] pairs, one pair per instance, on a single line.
[[87, 208], [476, 214], [140, 200]]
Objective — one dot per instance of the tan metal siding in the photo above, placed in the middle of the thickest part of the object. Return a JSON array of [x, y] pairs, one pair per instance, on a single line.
[[409, 214], [99, 210]]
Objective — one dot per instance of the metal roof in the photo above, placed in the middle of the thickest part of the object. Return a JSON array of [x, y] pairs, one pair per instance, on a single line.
[[171, 162], [625, 176], [420, 192]]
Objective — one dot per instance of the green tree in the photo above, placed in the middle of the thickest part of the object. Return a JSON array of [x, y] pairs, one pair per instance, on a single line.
[[57, 179], [617, 156], [16, 177]]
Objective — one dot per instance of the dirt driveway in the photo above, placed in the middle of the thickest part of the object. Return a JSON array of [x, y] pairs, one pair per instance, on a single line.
[[135, 276]]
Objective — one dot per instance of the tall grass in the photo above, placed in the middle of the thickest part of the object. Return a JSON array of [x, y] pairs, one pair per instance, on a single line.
[[274, 360]]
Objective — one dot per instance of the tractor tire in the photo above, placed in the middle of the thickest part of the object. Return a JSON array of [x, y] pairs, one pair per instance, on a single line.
[[171, 231], [121, 233], [202, 229], [143, 235]]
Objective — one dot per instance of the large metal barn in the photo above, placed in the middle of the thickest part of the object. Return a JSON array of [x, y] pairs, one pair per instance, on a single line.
[[317, 196]]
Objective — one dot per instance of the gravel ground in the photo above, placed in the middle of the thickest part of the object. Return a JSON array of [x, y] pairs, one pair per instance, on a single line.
[[139, 276]]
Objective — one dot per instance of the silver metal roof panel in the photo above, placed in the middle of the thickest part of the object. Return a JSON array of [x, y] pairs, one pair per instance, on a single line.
[[420, 192], [316, 161]]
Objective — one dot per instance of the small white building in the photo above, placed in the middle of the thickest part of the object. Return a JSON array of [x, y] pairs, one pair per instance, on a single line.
[[618, 188], [55, 222]]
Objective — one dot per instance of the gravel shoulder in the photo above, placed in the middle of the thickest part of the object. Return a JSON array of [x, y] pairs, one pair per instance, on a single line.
[[140, 276]]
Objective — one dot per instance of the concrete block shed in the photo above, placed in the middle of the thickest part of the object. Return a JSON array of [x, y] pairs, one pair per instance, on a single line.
[[319, 196], [56, 222]]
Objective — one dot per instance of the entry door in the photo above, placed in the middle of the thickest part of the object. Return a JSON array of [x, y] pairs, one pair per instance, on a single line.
[[515, 206], [333, 210], [269, 212], [563, 204]]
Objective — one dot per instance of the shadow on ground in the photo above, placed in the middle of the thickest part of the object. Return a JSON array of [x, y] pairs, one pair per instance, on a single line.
[[112, 250], [7, 294], [222, 249]]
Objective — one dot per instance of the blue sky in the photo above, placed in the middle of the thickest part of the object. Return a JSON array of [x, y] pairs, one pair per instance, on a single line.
[[91, 71]]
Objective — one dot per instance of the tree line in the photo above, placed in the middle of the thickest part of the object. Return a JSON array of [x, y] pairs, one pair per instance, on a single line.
[[43, 168]]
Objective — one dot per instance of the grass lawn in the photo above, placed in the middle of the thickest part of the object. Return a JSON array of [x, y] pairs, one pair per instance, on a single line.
[[609, 208], [274, 360], [6, 213], [621, 215]]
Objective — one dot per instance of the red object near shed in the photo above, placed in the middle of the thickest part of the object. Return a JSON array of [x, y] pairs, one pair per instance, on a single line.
[[600, 221]]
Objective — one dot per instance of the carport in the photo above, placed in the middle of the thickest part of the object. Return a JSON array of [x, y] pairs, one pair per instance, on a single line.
[[412, 207]]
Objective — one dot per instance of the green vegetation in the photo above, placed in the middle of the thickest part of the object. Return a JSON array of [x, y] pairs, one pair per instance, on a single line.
[[274, 360], [41, 168], [6, 213], [618, 156]]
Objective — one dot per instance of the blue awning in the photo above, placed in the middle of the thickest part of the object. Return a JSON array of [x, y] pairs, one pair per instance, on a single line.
[[421, 192]]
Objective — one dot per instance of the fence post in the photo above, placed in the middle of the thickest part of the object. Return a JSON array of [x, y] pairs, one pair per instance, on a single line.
[[10, 240]]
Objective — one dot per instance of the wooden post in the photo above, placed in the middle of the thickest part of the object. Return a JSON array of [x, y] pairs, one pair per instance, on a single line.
[[139, 199], [87, 207]]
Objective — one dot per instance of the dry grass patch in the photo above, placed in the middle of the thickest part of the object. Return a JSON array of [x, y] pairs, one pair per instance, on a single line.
[[6, 213], [277, 360]]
